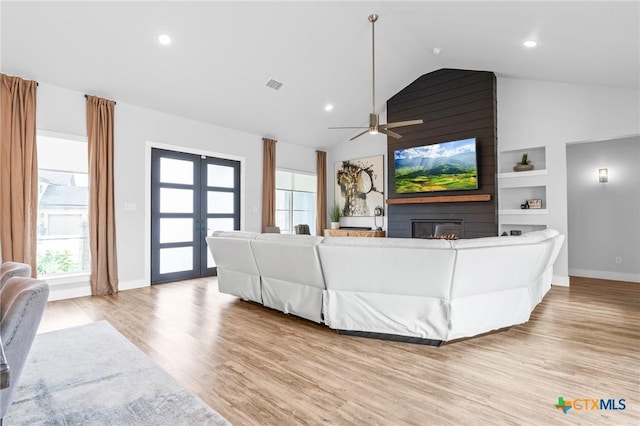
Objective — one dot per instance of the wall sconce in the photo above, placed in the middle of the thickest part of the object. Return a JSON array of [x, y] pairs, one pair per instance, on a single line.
[[603, 175]]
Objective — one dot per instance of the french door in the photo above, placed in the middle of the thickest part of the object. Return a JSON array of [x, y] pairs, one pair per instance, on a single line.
[[191, 196]]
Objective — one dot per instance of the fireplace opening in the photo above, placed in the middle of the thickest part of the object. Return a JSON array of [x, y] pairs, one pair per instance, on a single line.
[[432, 229]]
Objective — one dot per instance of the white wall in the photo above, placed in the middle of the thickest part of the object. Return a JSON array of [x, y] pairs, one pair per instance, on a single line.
[[535, 113], [364, 146], [604, 218], [63, 111]]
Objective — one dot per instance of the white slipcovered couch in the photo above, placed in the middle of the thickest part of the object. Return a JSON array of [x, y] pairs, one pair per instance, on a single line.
[[420, 290]]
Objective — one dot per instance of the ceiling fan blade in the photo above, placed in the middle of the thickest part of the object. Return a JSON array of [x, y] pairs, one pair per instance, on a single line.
[[360, 127], [402, 123], [390, 133], [360, 134]]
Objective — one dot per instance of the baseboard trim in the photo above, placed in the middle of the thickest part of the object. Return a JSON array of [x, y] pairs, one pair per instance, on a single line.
[[131, 285], [69, 291], [605, 275], [560, 280], [82, 288]]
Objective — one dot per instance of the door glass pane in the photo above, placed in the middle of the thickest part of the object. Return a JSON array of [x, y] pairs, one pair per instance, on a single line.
[[220, 202], [176, 230], [283, 199], [176, 171], [219, 224], [176, 259], [283, 222], [304, 182], [221, 176], [304, 218], [176, 200], [284, 180], [304, 200]]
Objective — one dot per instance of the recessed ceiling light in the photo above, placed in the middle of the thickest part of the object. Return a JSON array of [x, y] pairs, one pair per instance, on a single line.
[[436, 51], [530, 43], [328, 107], [164, 39]]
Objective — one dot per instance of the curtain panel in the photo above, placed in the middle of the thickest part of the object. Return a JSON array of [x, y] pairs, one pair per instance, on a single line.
[[321, 192], [102, 227], [18, 171], [268, 183]]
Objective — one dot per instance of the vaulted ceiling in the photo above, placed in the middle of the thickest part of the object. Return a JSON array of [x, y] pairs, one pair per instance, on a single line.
[[223, 53]]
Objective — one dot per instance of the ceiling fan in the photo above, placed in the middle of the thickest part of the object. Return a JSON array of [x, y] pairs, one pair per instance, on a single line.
[[375, 126]]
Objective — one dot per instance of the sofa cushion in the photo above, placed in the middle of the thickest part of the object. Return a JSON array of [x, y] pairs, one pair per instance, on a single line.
[[292, 279], [417, 243], [237, 269]]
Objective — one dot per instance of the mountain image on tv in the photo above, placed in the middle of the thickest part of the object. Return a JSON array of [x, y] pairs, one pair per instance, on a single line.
[[447, 166]]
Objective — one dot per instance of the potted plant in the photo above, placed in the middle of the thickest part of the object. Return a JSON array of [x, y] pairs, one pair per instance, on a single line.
[[524, 165], [335, 217]]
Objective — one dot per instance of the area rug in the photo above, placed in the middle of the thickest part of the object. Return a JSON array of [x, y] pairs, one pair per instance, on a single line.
[[92, 375]]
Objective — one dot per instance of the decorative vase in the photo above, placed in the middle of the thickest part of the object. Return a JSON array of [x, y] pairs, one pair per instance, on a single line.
[[522, 167], [335, 225]]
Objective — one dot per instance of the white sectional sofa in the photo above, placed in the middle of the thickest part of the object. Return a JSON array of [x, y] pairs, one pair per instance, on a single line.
[[426, 291]]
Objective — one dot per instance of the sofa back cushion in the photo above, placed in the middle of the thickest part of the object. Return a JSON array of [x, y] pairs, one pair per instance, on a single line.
[[400, 266], [292, 258], [231, 250], [493, 264]]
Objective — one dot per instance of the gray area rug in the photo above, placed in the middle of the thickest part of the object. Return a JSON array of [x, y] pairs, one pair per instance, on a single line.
[[92, 375]]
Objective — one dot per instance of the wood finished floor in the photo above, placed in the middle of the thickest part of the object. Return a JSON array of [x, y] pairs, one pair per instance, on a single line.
[[256, 366]]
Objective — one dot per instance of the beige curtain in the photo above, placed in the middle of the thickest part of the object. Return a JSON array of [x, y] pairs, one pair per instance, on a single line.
[[18, 170], [102, 228], [268, 183], [321, 193]]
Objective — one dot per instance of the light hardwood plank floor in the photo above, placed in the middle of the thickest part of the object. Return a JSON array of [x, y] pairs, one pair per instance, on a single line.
[[256, 366]]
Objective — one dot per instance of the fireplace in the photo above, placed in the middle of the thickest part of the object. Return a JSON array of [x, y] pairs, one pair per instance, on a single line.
[[447, 229]]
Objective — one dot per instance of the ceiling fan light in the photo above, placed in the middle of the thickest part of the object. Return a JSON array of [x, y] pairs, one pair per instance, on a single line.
[[373, 131]]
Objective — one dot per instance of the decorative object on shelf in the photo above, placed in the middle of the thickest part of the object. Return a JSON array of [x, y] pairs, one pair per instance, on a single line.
[[524, 206], [603, 175], [504, 234], [516, 232], [534, 204], [359, 186], [524, 165], [378, 211], [335, 217]]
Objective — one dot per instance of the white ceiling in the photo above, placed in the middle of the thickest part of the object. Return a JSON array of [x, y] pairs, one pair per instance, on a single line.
[[224, 53]]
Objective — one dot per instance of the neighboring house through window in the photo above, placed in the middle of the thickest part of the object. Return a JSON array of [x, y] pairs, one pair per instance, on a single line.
[[295, 201], [63, 205]]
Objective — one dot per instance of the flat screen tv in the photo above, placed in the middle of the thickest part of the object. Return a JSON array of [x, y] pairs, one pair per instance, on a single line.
[[447, 166]]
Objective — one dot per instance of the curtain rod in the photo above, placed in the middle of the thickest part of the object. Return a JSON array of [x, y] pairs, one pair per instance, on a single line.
[[87, 96]]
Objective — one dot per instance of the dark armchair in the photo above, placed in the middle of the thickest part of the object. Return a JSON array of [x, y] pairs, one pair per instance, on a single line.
[[22, 303], [13, 269]]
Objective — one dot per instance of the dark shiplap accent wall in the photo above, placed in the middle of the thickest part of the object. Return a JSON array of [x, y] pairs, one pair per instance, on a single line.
[[454, 104]]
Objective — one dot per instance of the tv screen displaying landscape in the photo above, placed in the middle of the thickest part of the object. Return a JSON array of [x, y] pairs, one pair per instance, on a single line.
[[448, 166]]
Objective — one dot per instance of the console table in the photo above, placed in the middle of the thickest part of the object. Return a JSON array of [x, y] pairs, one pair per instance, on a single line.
[[353, 233]]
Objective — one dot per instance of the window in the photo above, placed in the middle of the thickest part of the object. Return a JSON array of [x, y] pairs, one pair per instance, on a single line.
[[63, 205], [295, 201]]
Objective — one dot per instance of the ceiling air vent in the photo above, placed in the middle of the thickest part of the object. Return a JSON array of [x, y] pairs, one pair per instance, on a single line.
[[274, 84]]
